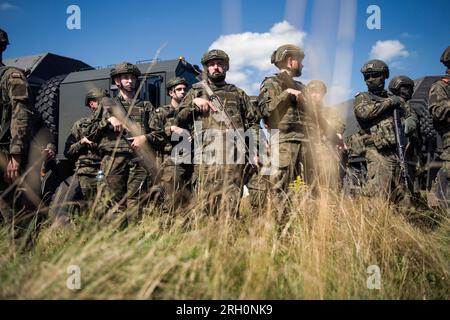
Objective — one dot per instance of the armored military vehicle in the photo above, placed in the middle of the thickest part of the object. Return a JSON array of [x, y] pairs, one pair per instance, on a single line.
[[59, 86], [429, 140]]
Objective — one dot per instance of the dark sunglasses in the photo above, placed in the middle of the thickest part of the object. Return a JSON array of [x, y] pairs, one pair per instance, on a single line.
[[369, 75]]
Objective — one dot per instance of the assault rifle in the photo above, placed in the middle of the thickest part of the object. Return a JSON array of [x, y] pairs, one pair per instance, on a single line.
[[222, 115], [131, 130], [400, 137]]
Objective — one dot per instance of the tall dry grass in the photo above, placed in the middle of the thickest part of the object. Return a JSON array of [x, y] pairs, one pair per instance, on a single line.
[[322, 252]]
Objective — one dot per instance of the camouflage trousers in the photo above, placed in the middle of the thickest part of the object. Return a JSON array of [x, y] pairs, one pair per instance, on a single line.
[[125, 183], [289, 167], [175, 181], [258, 187], [87, 176], [384, 176], [218, 188], [440, 191]]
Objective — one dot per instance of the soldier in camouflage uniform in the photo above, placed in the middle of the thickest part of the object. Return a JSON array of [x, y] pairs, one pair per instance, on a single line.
[[218, 186], [122, 161], [284, 105], [374, 113], [175, 178], [329, 171], [14, 127], [439, 106], [82, 151], [403, 87]]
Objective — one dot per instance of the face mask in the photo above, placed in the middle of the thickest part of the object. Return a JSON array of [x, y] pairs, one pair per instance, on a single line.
[[405, 93], [375, 83]]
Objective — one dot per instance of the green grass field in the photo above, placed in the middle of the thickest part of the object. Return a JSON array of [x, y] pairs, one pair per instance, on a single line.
[[323, 252]]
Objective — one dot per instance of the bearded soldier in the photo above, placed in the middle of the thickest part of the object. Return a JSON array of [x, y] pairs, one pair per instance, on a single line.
[[125, 157], [374, 112], [439, 106], [14, 127], [218, 180], [283, 102]]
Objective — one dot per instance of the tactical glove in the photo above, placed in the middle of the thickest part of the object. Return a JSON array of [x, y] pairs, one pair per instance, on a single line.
[[410, 125]]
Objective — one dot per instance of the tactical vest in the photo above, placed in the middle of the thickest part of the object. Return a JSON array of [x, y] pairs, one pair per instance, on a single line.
[[233, 104], [292, 119], [140, 115], [382, 129]]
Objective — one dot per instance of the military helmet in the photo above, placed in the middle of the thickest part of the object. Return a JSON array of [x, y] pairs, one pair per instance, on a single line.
[[375, 66], [95, 93], [399, 81], [445, 58], [3, 37], [317, 85], [125, 68], [174, 82], [285, 51], [218, 55]]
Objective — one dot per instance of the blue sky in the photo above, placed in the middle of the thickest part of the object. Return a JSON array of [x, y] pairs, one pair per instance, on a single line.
[[333, 33]]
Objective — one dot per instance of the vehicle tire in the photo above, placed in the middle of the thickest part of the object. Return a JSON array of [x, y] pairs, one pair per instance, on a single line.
[[47, 104]]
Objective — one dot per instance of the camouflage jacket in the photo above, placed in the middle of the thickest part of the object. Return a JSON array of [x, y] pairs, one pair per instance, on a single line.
[[163, 118], [296, 121], [374, 114], [85, 157], [439, 106], [107, 138], [15, 117], [236, 102]]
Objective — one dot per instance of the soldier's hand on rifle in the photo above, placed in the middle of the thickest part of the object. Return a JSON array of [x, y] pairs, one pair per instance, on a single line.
[[138, 142], [204, 105], [12, 168], [410, 125], [181, 132], [117, 125], [396, 101]]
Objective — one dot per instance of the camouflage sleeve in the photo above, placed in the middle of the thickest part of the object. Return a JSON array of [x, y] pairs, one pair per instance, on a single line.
[[272, 97], [99, 122], [367, 109], [410, 113], [18, 92], [439, 102], [73, 145], [252, 114], [157, 135], [184, 118]]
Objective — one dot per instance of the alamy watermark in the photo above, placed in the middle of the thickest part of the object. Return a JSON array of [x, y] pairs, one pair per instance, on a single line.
[[73, 282], [373, 22], [374, 280], [73, 21]]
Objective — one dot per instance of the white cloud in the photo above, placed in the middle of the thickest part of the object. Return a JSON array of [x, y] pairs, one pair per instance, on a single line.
[[7, 6], [388, 50], [250, 53]]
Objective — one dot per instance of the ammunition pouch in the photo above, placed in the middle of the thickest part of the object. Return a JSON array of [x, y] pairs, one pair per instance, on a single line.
[[356, 144], [383, 134]]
